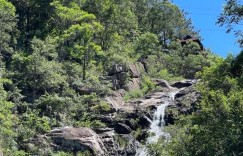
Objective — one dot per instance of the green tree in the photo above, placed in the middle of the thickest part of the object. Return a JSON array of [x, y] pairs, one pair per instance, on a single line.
[[237, 65], [117, 17], [231, 17], [167, 21], [78, 36], [6, 120], [216, 129], [147, 44], [7, 29], [33, 20], [38, 72]]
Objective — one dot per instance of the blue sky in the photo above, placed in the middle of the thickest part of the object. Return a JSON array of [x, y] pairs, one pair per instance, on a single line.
[[204, 15]]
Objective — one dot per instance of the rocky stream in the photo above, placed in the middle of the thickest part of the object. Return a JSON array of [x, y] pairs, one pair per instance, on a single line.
[[147, 115]]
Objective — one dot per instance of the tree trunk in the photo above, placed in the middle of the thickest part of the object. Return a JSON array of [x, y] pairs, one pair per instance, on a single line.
[[84, 69], [164, 39], [27, 35]]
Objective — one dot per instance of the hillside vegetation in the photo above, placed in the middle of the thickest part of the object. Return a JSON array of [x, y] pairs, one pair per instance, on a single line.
[[50, 49]]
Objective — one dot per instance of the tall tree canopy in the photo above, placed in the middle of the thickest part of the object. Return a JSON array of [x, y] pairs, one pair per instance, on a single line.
[[232, 17], [33, 19], [8, 31]]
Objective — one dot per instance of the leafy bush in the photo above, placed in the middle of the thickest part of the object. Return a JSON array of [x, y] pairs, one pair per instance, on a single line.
[[123, 142], [146, 86], [101, 108], [39, 125], [133, 94], [86, 153]]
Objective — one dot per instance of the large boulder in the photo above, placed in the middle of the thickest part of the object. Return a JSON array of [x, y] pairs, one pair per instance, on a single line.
[[84, 90], [185, 103], [186, 100], [116, 100], [77, 139], [184, 83], [136, 69], [161, 83], [132, 85], [118, 74], [127, 145], [119, 80], [116, 69], [107, 136], [121, 128], [117, 144], [126, 77]]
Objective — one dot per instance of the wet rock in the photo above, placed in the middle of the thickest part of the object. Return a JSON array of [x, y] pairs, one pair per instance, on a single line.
[[161, 83], [187, 99], [127, 145], [185, 103], [184, 83], [107, 136], [138, 106], [169, 118], [135, 109], [142, 136], [133, 120], [144, 122], [122, 129]]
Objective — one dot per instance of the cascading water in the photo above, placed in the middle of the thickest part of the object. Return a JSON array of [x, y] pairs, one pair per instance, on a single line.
[[156, 127], [157, 124]]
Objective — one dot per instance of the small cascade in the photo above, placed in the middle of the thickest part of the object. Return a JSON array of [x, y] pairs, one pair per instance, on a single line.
[[156, 127], [157, 124]]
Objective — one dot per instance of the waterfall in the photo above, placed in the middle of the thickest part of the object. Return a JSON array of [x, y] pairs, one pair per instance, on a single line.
[[156, 130], [156, 127]]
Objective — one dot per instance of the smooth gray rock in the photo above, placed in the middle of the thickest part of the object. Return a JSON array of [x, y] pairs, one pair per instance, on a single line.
[[136, 69], [183, 83], [161, 83], [77, 139], [117, 68]]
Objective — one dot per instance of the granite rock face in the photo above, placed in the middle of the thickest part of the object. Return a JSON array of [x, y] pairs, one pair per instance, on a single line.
[[136, 69], [126, 117], [185, 101], [127, 78], [100, 141], [76, 140]]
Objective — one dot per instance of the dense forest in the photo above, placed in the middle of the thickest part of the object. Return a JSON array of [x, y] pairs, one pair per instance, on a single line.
[[57, 60]]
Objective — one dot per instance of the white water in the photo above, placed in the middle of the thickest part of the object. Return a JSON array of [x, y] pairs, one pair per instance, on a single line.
[[156, 130]]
